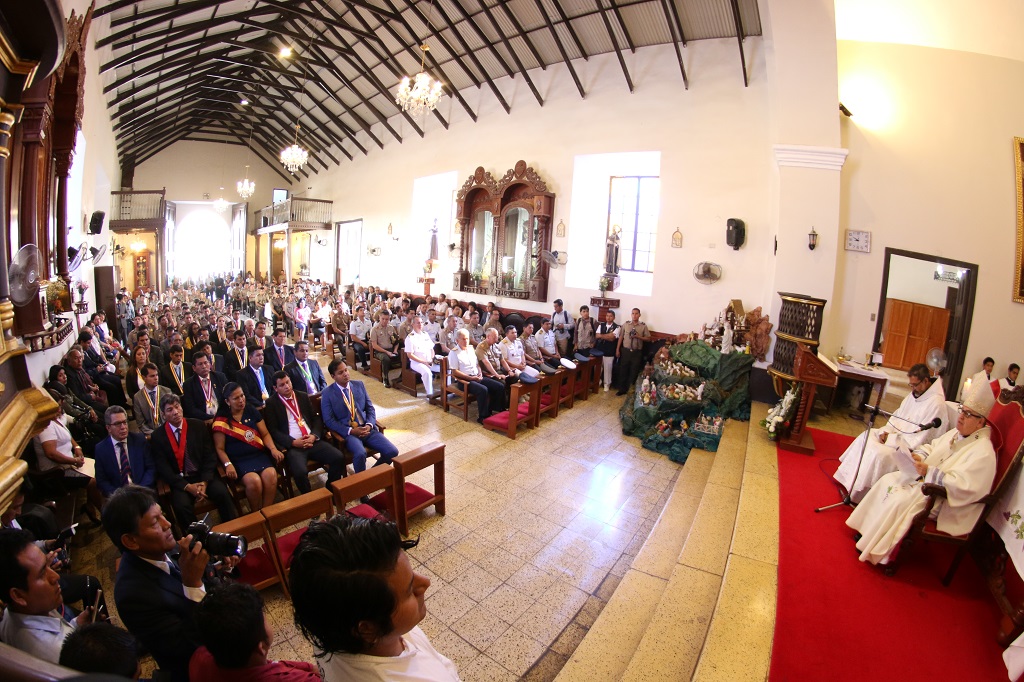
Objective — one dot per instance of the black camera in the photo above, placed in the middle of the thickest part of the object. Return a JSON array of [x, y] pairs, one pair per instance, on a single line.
[[217, 544]]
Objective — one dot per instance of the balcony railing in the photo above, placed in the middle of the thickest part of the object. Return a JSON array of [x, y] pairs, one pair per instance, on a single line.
[[310, 212], [133, 209]]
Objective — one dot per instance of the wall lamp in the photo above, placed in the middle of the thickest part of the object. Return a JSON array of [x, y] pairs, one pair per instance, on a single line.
[[812, 239]]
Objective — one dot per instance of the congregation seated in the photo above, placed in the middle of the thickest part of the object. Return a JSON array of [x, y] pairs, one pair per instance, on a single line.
[[174, 374], [203, 392], [305, 373], [237, 356], [186, 462], [384, 344], [255, 379], [123, 458], [298, 432], [465, 367], [925, 403], [419, 348], [56, 450], [37, 619], [963, 461], [102, 648], [513, 354], [133, 374], [357, 599], [146, 403], [476, 332], [245, 447], [547, 343], [350, 415]]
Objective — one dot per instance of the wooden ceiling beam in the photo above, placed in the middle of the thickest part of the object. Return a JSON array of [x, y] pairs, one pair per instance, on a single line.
[[738, 22], [158, 15], [622, 25], [615, 43], [132, 34], [515, 53], [676, 32], [175, 61], [561, 47], [564, 20], [317, 17]]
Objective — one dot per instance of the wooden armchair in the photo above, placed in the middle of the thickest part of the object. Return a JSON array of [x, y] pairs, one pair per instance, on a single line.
[[260, 566], [1008, 441], [357, 486], [298, 510], [451, 387], [413, 499]]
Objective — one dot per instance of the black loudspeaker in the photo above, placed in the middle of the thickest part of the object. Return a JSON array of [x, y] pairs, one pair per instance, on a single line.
[[735, 233], [96, 222]]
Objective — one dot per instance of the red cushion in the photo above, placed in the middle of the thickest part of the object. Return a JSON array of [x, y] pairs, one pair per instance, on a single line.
[[363, 510], [1007, 420], [498, 420], [545, 400], [565, 390], [931, 528], [256, 567], [286, 545], [523, 409], [414, 496]]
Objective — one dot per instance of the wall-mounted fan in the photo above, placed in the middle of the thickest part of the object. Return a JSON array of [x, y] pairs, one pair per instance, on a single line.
[[320, 241], [936, 360], [23, 275], [707, 272], [76, 256], [554, 259], [95, 254]]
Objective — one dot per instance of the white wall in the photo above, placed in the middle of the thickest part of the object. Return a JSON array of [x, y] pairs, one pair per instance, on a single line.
[[934, 173], [912, 279]]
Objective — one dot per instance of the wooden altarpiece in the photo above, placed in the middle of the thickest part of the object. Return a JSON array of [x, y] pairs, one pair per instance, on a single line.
[[503, 226]]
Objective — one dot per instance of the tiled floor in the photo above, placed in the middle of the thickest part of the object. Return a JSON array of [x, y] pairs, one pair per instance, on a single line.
[[537, 535]]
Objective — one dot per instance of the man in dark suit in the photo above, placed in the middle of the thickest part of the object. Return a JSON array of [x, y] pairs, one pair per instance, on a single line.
[[123, 459], [185, 460], [80, 383], [255, 380], [259, 336], [298, 432], [216, 359], [204, 390], [278, 354], [156, 355], [350, 415], [237, 357], [156, 594], [174, 374], [146, 402], [305, 373], [95, 365]]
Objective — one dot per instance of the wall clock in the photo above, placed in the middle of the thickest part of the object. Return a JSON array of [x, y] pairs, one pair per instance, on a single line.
[[858, 240]]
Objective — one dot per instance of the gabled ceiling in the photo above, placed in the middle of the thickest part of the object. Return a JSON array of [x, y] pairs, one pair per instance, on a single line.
[[179, 69]]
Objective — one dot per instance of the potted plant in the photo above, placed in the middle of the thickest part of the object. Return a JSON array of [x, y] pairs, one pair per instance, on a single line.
[[82, 286], [604, 284], [477, 275]]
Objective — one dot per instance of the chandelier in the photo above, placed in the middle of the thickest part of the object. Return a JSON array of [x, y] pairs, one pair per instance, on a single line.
[[246, 187], [294, 157], [221, 204], [138, 245], [419, 95]]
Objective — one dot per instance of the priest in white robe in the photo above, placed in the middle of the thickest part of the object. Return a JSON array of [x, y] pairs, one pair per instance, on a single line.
[[926, 402], [963, 461]]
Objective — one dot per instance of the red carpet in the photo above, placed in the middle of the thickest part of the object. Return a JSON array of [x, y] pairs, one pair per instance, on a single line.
[[841, 619]]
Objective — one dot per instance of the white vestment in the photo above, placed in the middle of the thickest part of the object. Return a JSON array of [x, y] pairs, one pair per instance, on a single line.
[[878, 459], [966, 467]]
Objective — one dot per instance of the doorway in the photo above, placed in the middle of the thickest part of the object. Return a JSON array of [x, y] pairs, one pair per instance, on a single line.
[[350, 250], [926, 302]]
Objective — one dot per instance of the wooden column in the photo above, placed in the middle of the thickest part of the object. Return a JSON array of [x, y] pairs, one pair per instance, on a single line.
[[256, 260], [6, 307], [62, 167]]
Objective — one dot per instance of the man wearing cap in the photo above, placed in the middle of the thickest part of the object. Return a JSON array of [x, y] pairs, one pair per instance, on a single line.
[[962, 461], [561, 321]]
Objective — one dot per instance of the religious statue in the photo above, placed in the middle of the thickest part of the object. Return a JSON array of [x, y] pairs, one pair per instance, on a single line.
[[727, 346], [759, 334], [611, 252]]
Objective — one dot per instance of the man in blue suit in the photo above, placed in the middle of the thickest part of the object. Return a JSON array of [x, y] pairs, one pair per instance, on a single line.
[[278, 354], [156, 593], [123, 459], [348, 412], [305, 374]]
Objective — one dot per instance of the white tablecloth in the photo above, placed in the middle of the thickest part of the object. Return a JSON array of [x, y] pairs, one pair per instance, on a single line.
[[869, 373]]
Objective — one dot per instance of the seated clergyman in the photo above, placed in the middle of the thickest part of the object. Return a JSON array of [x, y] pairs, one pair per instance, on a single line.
[[962, 461], [925, 403]]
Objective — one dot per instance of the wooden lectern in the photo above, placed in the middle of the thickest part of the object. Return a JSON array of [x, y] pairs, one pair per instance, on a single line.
[[811, 371]]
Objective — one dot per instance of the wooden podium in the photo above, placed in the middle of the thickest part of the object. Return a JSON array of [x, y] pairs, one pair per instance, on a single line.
[[811, 371]]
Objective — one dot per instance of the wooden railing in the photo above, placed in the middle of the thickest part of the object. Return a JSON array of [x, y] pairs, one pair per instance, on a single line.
[[297, 210], [128, 208], [61, 330]]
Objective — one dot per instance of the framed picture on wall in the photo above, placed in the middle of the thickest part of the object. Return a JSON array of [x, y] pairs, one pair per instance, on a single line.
[[1018, 266]]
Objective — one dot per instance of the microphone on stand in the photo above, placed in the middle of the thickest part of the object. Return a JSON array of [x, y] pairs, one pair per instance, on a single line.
[[933, 424]]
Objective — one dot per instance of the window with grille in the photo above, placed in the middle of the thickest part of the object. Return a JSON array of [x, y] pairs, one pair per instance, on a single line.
[[633, 203]]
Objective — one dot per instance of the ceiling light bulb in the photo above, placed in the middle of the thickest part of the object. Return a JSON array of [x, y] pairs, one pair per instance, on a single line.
[[244, 101], [285, 52]]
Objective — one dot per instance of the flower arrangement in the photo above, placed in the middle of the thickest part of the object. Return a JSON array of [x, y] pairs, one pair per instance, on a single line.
[[782, 413], [509, 278], [604, 284], [477, 275]]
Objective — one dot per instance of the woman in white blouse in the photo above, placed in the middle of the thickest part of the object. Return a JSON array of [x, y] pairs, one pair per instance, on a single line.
[[55, 448]]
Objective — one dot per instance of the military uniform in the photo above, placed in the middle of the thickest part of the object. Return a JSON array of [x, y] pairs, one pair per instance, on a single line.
[[387, 338], [631, 357]]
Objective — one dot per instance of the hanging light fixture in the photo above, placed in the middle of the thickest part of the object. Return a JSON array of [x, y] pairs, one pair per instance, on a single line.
[[221, 204], [295, 157], [419, 95], [246, 187]]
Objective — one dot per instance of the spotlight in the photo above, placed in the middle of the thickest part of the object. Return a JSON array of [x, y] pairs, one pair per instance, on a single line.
[[285, 52]]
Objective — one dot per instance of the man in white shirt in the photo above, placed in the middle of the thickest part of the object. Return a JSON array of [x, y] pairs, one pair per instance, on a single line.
[[419, 348], [442, 305], [465, 367], [512, 352], [33, 621], [358, 333], [432, 328]]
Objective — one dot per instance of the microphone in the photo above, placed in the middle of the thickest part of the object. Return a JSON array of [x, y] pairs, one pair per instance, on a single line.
[[933, 424]]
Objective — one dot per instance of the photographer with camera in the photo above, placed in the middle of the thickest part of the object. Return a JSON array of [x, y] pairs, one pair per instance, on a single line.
[[156, 593], [36, 620]]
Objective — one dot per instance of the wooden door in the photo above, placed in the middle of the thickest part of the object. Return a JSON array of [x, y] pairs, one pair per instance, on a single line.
[[910, 330]]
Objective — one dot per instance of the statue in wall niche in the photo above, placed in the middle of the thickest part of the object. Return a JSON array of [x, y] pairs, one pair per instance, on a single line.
[[611, 252], [759, 337]]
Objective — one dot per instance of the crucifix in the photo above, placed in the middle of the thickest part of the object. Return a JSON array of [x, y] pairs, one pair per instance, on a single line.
[[426, 280]]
